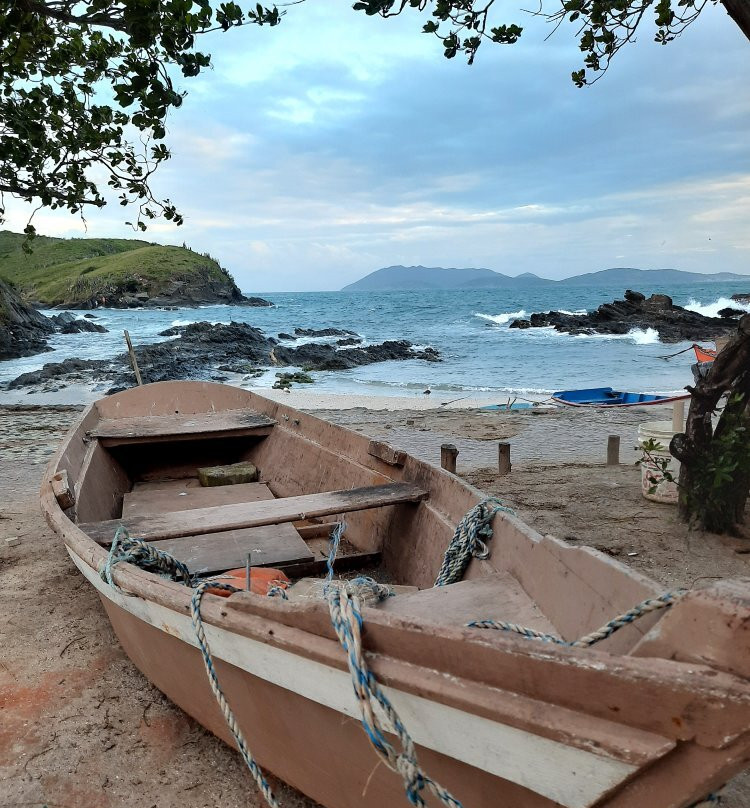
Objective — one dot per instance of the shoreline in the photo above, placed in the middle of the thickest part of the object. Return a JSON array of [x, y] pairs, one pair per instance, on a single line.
[[310, 399]]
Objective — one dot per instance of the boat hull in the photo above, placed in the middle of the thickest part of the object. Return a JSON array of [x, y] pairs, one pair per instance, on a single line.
[[496, 719], [606, 397]]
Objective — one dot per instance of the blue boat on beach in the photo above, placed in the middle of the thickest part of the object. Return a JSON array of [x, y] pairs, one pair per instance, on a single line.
[[607, 397]]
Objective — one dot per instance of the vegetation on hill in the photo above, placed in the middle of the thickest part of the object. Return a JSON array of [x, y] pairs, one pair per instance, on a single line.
[[85, 273]]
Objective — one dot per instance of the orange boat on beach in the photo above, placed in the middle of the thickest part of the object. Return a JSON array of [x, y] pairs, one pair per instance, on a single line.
[[537, 674], [704, 354]]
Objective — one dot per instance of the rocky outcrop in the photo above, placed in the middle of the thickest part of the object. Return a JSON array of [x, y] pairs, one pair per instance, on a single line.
[[68, 323], [204, 350], [23, 331], [673, 323], [200, 286]]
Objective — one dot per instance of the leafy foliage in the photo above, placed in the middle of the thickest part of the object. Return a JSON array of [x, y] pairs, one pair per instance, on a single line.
[[78, 78], [86, 86]]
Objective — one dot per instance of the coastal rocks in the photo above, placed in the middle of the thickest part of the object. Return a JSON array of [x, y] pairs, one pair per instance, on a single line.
[[67, 323], [730, 312], [203, 350], [741, 297], [636, 311], [322, 332], [56, 374], [23, 331]]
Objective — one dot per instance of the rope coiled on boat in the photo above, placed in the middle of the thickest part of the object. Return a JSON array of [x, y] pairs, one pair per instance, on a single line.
[[143, 555], [469, 540]]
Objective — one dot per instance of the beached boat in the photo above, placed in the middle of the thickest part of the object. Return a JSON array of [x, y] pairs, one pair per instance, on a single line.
[[704, 354], [656, 715], [607, 397]]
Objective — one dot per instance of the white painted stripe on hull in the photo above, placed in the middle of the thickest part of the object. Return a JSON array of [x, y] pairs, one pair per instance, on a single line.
[[571, 776]]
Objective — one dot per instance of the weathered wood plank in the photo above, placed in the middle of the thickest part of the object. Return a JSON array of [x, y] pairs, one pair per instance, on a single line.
[[148, 428], [270, 546], [147, 501], [255, 514]]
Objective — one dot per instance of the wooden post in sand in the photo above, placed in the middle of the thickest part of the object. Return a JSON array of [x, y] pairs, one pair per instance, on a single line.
[[613, 450], [503, 459], [678, 416], [133, 360], [448, 455]]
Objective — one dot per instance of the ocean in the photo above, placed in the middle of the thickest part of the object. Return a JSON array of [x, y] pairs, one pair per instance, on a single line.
[[480, 353]]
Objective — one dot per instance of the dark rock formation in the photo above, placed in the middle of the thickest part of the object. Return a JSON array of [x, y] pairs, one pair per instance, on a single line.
[[349, 341], [203, 349], [730, 312], [67, 323], [60, 374], [257, 301], [742, 297], [673, 323], [23, 331], [324, 332]]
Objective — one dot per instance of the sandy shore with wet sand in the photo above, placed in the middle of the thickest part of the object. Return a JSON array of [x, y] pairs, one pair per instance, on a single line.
[[81, 728]]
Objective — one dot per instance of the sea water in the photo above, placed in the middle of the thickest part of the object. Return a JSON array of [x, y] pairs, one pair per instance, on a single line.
[[470, 329]]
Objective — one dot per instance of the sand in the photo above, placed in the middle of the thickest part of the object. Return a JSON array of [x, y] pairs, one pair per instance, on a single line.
[[81, 728]]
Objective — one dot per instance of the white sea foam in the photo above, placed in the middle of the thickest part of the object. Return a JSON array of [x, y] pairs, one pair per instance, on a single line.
[[176, 323], [576, 312], [713, 309], [649, 336], [501, 319]]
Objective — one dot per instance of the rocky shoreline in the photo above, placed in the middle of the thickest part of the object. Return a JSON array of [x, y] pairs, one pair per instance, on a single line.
[[673, 323], [210, 352]]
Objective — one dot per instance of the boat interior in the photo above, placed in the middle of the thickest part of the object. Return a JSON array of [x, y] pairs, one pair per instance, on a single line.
[[135, 461]]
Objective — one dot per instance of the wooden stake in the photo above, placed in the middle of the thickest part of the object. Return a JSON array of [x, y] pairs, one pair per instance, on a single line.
[[133, 360], [503, 459], [448, 455], [678, 416], [613, 450]]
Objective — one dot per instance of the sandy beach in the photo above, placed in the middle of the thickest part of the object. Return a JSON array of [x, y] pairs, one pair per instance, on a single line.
[[81, 728]]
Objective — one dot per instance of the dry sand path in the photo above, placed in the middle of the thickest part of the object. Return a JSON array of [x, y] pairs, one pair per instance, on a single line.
[[81, 728]]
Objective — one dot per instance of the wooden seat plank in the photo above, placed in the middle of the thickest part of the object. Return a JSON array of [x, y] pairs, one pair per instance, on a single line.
[[146, 500], [270, 546], [150, 428], [255, 514]]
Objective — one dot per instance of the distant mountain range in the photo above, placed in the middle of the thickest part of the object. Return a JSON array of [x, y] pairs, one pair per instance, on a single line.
[[401, 278]]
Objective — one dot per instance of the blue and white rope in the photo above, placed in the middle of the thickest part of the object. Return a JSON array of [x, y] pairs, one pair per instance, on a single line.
[[647, 606], [469, 540], [239, 738], [143, 555]]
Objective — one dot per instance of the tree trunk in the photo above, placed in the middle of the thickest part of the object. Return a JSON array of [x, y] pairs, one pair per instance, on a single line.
[[715, 464], [739, 11]]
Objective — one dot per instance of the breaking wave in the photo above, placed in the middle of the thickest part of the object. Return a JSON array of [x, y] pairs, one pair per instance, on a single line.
[[713, 309], [501, 319]]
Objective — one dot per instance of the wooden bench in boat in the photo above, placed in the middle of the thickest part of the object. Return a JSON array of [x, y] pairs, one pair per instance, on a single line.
[[153, 428], [219, 537], [272, 546]]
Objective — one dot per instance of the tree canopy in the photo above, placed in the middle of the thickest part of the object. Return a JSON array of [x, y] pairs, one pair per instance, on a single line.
[[86, 87]]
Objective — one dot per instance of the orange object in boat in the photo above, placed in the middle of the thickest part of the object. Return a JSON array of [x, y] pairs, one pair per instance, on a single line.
[[704, 354], [261, 580]]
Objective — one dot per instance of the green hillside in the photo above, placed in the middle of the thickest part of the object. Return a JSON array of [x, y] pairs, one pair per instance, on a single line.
[[84, 272]]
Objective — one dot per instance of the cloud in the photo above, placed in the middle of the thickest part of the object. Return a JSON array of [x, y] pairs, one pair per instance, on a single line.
[[333, 144]]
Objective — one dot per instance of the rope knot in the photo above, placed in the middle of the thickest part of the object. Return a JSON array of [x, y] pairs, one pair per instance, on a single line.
[[469, 540]]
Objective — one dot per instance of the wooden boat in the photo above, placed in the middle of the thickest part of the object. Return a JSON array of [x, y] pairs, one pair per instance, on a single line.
[[704, 354], [607, 397], [655, 716]]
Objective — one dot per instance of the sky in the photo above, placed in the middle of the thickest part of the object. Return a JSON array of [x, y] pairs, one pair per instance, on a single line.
[[320, 150]]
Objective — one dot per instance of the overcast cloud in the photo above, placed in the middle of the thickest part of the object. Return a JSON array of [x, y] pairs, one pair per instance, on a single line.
[[334, 144]]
